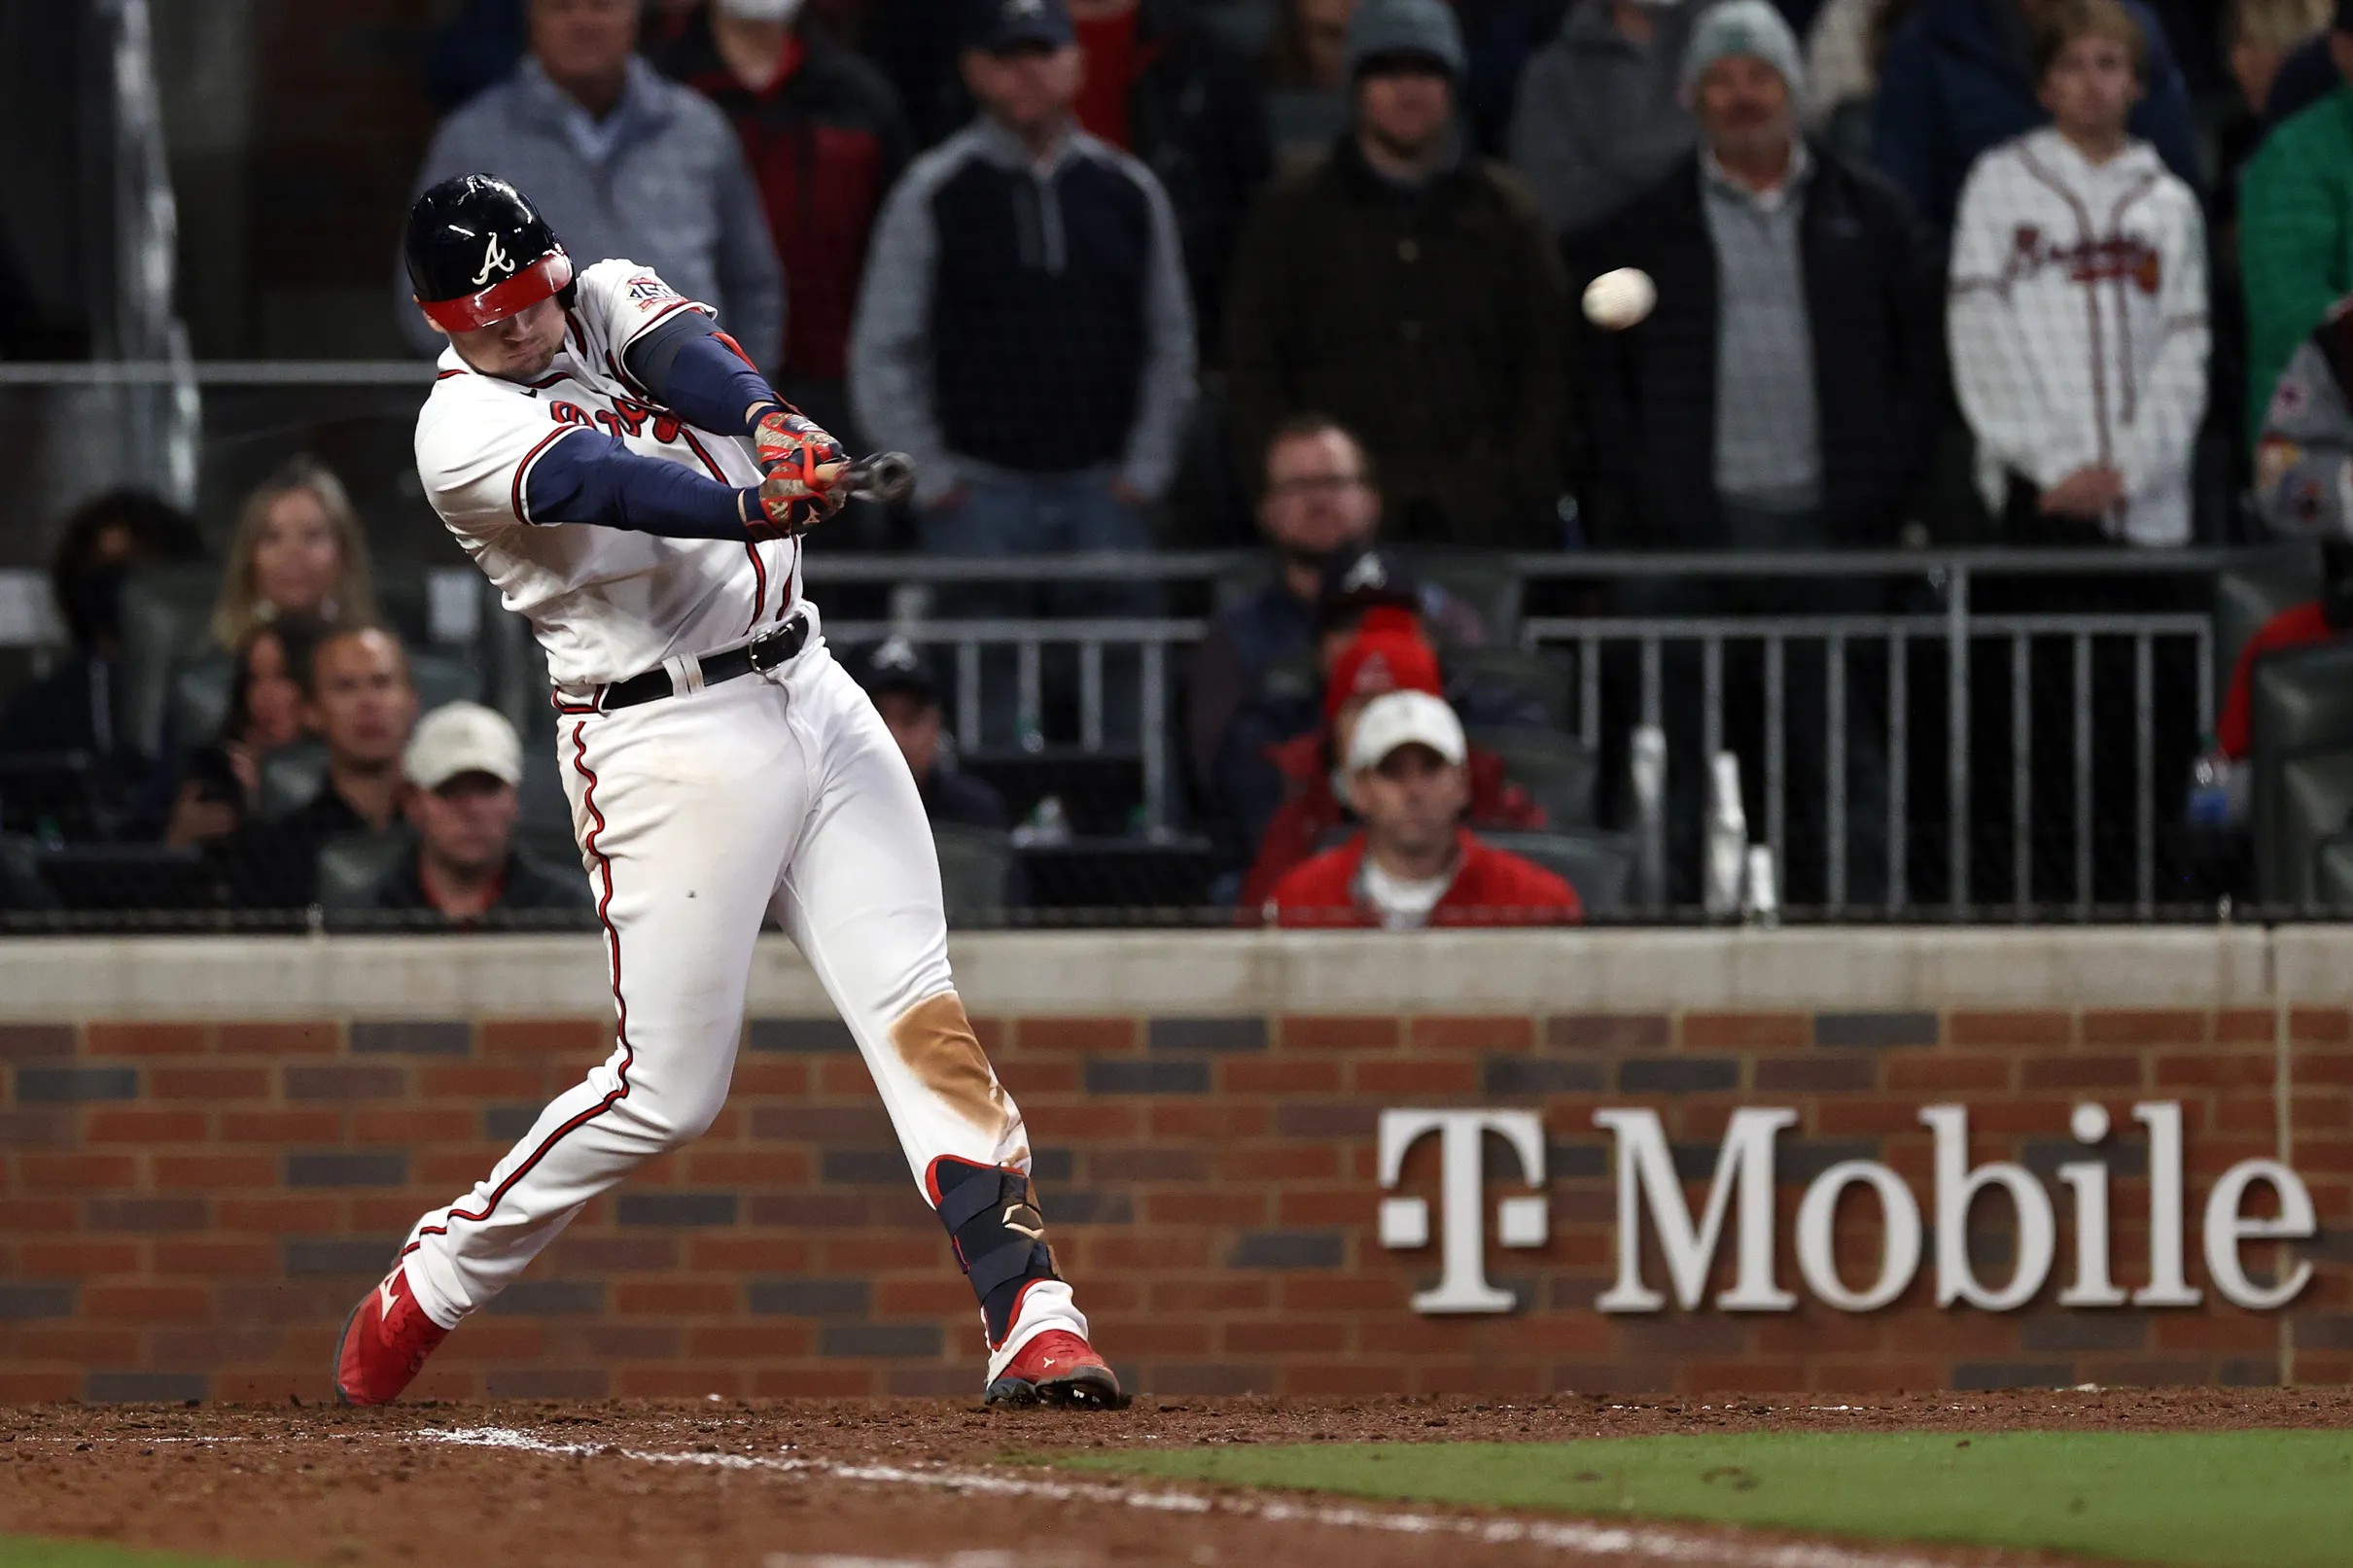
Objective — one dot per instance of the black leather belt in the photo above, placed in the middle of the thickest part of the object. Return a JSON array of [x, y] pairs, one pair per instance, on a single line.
[[780, 647]]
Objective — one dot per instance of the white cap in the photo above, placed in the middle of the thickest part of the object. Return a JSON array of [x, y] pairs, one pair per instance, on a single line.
[[1404, 719], [461, 737]]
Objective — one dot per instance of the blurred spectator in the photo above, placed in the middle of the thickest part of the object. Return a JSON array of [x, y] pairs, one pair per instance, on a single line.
[[1307, 102], [1845, 45], [1321, 501], [1502, 37], [1415, 864], [220, 786], [104, 541], [1414, 293], [357, 698], [2303, 461], [622, 162], [1600, 117], [2078, 317], [1959, 77], [2308, 73], [299, 551], [2295, 227], [460, 773], [1247, 783], [474, 49], [2262, 35], [1171, 93], [1794, 344], [1387, 654], [826, 138], [1023, 332], [907, 697]]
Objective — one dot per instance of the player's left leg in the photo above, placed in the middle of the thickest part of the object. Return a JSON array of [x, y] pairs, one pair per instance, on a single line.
[[860, 898]]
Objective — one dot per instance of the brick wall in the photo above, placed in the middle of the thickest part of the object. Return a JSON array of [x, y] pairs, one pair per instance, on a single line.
[[193, 1207]]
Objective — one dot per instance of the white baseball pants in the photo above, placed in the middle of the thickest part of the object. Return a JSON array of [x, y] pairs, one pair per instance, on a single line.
[[778, 793]]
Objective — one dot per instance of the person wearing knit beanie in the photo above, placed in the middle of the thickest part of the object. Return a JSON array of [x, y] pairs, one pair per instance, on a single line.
[[1385, 31], [1744, 29]]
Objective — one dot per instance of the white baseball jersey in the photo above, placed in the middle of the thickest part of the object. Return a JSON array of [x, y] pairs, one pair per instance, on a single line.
[[2078, 325], [607, 603]]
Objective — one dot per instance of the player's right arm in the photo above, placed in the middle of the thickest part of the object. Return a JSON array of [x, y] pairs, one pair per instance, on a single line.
[[493, 462]]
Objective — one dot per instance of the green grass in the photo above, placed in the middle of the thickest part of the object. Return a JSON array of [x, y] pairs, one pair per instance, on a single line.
[[27, 1551], [2190, 1500]]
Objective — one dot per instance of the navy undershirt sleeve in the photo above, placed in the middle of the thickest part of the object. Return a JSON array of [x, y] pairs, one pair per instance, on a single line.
[[689, 369], [590, 477]]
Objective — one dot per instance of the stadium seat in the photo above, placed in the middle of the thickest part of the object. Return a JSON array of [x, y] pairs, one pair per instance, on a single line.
[[1120, 873], [2302, 712], [290, 778], [2332, 874], [544, 808], [1556, 770], [1482, 579], [2247, 596], [21, 885], [1549, 679], [166, 617], [2314, 801], [202, 687], [54, 795], [130, 877], [1098, 791], [443, 676], [351, 865], [974, 863], [1599, 865]]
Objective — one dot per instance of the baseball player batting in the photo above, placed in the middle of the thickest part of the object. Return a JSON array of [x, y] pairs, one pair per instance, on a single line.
[[635, 488]]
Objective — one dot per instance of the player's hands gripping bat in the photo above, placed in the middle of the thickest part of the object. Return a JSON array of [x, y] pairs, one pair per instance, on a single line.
[[803, 468]]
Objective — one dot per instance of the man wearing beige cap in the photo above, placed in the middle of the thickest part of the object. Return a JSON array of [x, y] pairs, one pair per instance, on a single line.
[[1416, 864], [460, 774]]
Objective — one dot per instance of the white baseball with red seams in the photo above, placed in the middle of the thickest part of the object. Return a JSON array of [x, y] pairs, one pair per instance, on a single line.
[[697, 814]]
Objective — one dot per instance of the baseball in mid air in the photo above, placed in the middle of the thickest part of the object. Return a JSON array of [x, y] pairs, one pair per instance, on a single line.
[[1617, 300]]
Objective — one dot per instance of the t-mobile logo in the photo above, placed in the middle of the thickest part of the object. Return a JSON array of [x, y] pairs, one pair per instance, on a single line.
[[1519, 1221]]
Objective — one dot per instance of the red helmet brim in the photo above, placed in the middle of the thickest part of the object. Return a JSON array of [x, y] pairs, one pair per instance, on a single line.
[[542, 279]]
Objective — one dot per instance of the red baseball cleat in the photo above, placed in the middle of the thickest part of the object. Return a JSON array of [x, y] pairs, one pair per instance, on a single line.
[[1057, 1367], [385, 1342]]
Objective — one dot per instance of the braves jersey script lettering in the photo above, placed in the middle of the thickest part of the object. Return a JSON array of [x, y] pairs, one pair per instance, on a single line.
[[606, 603], [2078, 325]]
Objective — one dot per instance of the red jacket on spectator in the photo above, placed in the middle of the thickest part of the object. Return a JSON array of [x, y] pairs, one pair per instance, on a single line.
[[1313, 809], [1492, 886], [1388, 654], [2300, 627], [825, 140]]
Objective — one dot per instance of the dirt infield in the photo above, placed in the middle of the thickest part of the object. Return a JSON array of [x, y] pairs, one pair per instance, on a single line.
[[878, 1484]]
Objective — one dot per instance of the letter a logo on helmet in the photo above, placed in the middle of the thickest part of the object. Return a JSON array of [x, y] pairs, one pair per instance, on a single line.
[[479, 252], [494, 260]]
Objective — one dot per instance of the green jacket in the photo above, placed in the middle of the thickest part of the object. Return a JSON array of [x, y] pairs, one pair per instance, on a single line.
[[1432, 323], [2295, 239]]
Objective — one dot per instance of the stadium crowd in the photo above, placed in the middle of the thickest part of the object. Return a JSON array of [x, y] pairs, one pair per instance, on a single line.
[[1096, 263]]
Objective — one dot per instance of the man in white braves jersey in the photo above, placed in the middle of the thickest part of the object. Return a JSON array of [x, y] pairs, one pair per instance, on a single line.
[[638, 491], [2078, 306]]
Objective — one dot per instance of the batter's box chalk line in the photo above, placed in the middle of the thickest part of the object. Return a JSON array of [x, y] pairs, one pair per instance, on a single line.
[[1628, 1543]]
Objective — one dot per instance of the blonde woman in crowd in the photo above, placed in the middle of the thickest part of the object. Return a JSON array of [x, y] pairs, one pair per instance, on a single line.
[[299, 551]]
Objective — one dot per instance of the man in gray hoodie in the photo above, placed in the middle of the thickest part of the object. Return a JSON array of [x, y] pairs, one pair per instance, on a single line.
[[624, 163], [1600, 115]]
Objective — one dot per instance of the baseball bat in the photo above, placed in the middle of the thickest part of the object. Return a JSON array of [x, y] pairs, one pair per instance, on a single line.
[[884, 476]]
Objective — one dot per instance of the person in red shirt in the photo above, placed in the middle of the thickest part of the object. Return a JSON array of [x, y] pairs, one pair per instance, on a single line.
[[1414, 864], [1387, 654]]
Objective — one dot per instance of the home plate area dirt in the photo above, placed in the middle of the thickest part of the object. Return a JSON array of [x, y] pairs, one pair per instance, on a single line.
[[878, 1484]]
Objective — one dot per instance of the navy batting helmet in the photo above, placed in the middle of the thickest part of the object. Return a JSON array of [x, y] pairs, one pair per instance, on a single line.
[[478, 251]]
